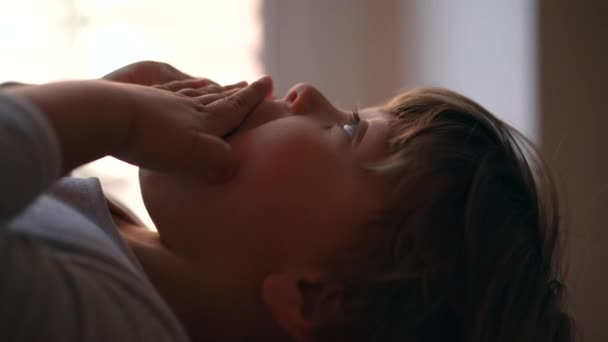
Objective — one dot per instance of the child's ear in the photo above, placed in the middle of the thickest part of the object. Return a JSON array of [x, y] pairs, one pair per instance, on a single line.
[[302, 303]]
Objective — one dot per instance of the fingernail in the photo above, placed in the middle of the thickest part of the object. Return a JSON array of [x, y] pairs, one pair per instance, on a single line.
[[264, 80]]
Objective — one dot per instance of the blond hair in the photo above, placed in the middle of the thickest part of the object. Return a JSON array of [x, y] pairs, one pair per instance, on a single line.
[[468, 250]]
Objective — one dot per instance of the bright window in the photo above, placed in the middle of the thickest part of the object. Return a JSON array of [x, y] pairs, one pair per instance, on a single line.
[[47, 40]]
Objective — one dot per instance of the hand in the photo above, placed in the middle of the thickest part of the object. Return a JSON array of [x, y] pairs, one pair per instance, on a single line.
[[172, 132], [147, 73], [166, 77]]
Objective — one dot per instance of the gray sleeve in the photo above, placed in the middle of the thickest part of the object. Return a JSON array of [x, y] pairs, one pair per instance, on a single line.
[[51, 296], [30, 157]]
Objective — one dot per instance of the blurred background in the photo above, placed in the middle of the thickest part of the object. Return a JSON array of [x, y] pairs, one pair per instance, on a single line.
[[538, 64]]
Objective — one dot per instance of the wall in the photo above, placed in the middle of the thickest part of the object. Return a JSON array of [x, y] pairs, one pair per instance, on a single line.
[[574, 120], [483, 49], [350, 49], [363, 51]]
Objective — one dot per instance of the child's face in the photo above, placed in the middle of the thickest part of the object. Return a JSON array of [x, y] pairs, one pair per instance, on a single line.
[[298, 196]]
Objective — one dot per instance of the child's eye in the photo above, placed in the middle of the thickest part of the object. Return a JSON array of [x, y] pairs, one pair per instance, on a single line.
[[352, 128]]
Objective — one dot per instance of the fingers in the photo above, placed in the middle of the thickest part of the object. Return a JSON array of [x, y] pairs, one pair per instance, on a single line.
[[199, 87], [191, 92], [231, 110], [206, 99], [212, 89], [192, 139], [194, 83], [237, 85]]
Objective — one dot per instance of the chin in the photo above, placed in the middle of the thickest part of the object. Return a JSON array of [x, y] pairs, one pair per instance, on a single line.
[[175, 202], [162, 197]]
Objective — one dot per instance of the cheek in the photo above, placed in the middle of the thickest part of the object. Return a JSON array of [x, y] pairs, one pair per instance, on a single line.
[[289, 160], [289, 184], [288, 181]]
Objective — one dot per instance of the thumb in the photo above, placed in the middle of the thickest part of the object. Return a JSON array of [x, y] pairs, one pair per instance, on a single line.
[[233, 109]]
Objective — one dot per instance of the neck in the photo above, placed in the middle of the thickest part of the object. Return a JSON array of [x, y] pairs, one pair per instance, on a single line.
[[167, 272], [176, 281]]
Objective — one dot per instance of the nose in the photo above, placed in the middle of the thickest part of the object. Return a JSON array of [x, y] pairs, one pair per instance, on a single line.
[[301, 99], [304, 98]]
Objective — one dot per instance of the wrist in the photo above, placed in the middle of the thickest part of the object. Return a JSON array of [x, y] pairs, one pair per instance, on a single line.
[[90, 118]]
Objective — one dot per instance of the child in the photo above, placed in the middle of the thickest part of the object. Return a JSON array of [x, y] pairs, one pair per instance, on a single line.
[[421, 219]]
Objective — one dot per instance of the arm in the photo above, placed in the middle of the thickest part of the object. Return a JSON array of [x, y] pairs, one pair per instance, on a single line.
[[29, 151], [87, 124], [141, 125]]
